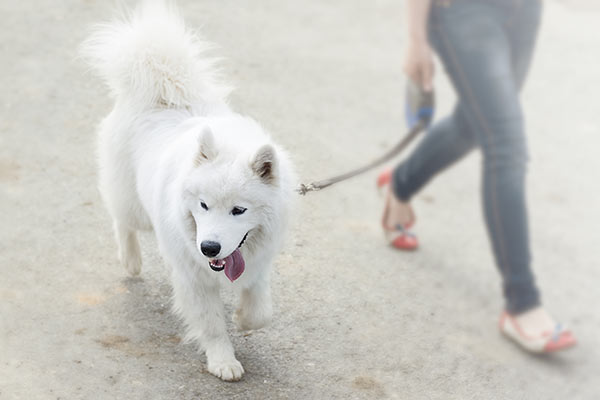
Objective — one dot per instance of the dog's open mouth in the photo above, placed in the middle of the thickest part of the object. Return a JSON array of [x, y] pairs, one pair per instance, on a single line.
[[233, 264]]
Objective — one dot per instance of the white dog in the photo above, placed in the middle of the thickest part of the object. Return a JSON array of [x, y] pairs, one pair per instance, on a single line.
[[176, 159]]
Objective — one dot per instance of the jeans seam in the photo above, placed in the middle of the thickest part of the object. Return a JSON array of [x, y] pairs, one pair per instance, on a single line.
[[504, 265]]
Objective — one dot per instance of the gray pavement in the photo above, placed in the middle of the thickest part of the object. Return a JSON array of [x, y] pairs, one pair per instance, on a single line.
[[353, 318]]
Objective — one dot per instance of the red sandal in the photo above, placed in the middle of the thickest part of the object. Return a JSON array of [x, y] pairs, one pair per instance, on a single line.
[[398, 236], [560, 339]]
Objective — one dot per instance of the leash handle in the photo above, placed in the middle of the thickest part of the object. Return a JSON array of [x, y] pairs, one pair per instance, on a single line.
[[419, 105], [419, 109]]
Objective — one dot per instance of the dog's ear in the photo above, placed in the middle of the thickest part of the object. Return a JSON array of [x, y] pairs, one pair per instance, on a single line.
[[206, 146], [264, 164]]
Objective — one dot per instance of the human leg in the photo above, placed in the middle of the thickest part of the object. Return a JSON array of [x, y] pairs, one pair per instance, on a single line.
[[478, 58], [487, 61], [445, 143]]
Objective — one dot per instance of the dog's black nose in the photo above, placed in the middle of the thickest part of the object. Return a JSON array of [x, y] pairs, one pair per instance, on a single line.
[[210, 248]]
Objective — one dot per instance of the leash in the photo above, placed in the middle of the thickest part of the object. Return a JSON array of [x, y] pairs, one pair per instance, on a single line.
[[418, 112]]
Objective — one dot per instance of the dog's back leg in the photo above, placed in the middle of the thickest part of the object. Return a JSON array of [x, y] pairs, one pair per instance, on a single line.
[[129, 249]]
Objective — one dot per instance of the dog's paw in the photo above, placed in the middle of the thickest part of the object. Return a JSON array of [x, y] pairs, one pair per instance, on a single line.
[[133, 266], [227, 370], [249, 320], [132, 263]]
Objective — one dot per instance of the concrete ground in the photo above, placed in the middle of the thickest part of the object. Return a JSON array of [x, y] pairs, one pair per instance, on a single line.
[[354, 319]]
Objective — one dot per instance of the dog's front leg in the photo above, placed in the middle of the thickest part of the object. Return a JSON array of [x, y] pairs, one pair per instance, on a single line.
[[255, 309], [202, 310]]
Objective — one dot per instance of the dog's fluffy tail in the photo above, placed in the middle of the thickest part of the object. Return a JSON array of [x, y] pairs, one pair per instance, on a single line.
[[149, 58]]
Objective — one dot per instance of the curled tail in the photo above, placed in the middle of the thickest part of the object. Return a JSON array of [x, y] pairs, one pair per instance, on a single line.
[[149, 58]]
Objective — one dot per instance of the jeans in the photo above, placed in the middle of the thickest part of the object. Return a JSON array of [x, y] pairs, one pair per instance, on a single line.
[[486, 48]]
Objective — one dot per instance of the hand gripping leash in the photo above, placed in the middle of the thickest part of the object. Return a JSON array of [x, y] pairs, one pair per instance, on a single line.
[[419, 112]]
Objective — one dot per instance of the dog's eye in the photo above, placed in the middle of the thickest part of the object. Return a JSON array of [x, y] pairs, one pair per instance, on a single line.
[[203, 205], [238, 210]]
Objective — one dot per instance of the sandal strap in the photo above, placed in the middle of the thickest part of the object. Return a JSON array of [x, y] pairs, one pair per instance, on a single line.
[[559, 330], [556, 333], [402, 229]]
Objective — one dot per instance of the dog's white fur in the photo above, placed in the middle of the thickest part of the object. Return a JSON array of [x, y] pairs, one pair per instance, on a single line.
[[170, 144]]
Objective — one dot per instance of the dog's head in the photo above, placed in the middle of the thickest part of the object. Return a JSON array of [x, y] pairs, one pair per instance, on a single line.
[[230, 196]]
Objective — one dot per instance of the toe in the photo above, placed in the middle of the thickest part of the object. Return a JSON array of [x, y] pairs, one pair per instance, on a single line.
[[563, 341]]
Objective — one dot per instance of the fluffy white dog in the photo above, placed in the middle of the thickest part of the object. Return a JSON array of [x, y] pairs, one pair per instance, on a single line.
[[176, 159]]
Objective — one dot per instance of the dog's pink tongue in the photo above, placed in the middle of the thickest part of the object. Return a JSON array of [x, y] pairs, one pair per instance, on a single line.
[[234, 265]]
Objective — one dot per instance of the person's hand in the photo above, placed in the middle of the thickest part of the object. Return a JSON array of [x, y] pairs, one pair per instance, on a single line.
[[418, 63]]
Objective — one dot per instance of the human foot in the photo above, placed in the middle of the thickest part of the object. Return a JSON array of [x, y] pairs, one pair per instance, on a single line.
[[397, 218], [397, 212], [536, 331]]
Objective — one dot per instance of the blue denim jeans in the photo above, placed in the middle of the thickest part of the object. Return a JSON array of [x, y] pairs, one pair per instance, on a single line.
[[486, 48]]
